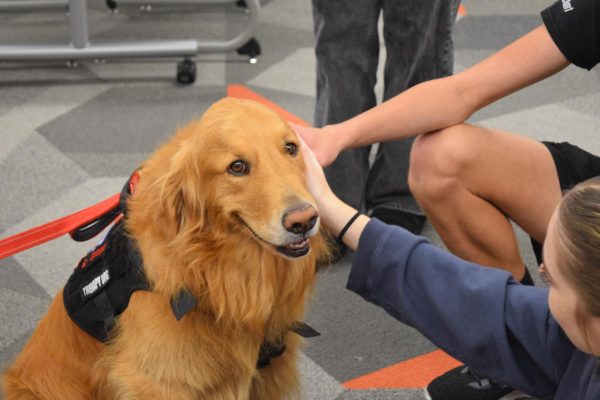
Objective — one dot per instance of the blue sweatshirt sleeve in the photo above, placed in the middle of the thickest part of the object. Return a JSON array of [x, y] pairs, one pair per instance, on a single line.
[[478, 315]]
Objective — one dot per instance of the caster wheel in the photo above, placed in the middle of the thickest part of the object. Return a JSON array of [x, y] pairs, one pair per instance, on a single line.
[[242, 4], [112, 6], [186, 72], [72, 64], [250, 49], [146, 8]]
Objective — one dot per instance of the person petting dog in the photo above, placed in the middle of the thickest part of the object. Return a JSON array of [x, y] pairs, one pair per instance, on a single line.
[[471, 182]]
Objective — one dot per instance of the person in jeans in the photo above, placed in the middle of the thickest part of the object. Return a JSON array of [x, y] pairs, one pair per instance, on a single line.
[[418, 40], [471, 181]]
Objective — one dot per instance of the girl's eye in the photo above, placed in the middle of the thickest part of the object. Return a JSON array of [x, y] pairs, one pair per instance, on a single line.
[[291, 149], [239, 168]]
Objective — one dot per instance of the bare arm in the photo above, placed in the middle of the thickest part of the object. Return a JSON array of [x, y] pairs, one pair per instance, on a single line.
[[444, 102]]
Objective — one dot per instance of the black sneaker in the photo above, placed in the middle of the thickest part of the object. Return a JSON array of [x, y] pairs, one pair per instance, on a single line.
[[462, 383], [409, 220]]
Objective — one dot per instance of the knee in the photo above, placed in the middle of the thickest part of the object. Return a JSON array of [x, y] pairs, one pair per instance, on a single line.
[[437, 161]]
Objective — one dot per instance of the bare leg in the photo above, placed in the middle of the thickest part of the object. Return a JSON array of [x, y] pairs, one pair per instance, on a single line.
[[471, 181]]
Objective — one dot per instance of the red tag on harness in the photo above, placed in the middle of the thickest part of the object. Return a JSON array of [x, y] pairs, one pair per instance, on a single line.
[[134, 180]]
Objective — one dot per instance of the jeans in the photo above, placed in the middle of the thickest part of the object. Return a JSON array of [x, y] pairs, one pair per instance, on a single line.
[[418, 40]]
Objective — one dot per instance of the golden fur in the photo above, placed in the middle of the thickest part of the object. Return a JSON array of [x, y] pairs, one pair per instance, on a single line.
[[199, 227]]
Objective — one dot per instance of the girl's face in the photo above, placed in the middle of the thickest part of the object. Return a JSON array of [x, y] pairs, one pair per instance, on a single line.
[[563, 299]]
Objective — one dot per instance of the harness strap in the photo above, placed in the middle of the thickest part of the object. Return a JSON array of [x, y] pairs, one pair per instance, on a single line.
[[91, 228], [269, 350], [304, 330], [102, 303], [183, 303]]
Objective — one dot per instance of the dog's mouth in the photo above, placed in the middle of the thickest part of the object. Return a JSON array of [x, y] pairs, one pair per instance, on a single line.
[[297, 249], [292, 250]]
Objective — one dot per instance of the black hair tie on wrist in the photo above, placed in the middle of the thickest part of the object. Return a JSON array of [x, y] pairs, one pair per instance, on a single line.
[[347, 226]]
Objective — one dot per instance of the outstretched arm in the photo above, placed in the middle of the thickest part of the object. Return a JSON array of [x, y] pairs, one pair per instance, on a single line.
[[480, 316]]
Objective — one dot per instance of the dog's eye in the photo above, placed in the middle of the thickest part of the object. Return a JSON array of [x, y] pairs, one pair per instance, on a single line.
[[238, 168], [291, 149]]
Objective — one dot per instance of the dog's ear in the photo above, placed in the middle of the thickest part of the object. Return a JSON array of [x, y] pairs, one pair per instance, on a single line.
[[181, 198]]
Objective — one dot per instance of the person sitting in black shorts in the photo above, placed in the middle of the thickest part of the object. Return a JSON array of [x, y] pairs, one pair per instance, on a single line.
[[472, 181]]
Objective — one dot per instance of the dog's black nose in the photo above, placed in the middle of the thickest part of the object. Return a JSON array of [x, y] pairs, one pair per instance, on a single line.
[[300, 221]]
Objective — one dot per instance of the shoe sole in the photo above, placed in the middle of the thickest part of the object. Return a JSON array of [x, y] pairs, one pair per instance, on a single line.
[[515, 395], [427, 397]]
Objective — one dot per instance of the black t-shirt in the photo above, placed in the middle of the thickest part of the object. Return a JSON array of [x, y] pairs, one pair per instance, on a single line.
[[573, 25]]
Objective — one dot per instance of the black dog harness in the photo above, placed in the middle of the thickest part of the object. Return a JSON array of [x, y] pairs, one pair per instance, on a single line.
[[101, 285]]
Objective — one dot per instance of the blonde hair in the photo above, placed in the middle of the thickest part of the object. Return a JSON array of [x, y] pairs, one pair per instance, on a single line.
[[579, 234]]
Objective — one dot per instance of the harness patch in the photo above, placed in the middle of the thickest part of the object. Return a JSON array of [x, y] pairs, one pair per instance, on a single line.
[[97, 283]]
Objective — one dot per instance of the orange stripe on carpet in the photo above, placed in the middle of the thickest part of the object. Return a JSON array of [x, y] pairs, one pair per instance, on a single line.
[[416, 372], [242, 92]]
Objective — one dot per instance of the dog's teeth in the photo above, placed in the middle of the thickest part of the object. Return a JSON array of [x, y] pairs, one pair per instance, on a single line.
[[298, 245]]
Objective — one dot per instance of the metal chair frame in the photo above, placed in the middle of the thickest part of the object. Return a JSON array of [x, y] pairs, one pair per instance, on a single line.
[[80, 47]]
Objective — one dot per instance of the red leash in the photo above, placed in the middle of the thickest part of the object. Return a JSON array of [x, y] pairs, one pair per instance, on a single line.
[[81, 226], [44, 233]]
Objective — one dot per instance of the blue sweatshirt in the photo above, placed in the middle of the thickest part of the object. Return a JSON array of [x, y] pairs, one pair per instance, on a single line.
[[479, 315]]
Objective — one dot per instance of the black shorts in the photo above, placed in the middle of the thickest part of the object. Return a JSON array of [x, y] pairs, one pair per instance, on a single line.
[[573, 165]]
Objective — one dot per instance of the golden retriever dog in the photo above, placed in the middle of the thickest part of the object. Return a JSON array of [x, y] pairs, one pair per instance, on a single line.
[[221, 212]]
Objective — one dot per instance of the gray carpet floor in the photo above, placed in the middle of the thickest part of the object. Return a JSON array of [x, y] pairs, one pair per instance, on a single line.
[[69, 137]]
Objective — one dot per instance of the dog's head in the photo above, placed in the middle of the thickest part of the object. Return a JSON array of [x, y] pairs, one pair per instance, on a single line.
[[232, 181]]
